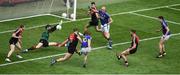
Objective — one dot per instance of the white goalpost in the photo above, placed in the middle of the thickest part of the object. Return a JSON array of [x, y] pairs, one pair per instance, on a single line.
[[74, 12]]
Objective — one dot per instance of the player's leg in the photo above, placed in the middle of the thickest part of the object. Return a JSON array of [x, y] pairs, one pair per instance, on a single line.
[[12, 48], [86, 27], [66, 57], [106, 35], [161, 44], [85, 59], [98, 29], [123, 55], [18, 45], [165, 39], [164, 52], [39, 45], [54, 44]]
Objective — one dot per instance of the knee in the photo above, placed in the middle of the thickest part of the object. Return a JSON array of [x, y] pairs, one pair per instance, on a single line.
[[20, 47], [122, 54], [12, 50]]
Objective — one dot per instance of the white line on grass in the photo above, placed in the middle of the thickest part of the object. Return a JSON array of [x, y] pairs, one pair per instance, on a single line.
[[154, 18], [89, 18], [146, 9], [23, 17], [60, 17], [173, 8], [117, 44]]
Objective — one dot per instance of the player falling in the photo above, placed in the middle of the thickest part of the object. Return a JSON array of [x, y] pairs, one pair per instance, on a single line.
[[43, 42], [15, 42], [130, 50], [93, 12], [166, 35], [86, 46], [105, 20], [72, 44]]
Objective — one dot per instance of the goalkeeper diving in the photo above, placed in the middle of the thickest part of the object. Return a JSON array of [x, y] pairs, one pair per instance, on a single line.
[[43, 42]]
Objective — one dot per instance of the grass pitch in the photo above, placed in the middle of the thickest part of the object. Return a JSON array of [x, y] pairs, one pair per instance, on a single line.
[[101, 60]]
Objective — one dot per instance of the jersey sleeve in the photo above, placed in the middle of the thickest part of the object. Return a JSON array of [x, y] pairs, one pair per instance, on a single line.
[[164, 23], [88, 37]]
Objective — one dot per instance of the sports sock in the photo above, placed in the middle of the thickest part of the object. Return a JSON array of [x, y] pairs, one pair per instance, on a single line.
[[125, 62], [32, 48], [110, 42]]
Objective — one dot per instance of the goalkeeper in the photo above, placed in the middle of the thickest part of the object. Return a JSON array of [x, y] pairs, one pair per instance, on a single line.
[[43, 42]]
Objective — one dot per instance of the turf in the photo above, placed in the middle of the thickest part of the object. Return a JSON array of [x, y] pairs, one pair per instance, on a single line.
[[101, 61]]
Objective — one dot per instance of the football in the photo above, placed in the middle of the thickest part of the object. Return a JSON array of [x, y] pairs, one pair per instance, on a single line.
[[72, 16], [64, 15], [59, 27]]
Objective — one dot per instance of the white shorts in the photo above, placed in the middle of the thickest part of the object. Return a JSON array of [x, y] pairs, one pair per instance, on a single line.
[[105, 28], [165, 37], [85, 50]]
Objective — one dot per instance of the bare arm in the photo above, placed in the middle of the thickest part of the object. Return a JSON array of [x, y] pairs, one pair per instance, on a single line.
[[134, 44], [167, 28], [63, 43], [14, 35], [97, 15], [89, 43], [110, 20], [79, 38]]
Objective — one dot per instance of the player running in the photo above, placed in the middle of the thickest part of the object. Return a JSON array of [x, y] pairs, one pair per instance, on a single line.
[[106, 20], [15, 42], [166, 35], [86, 46], [130, 50], [72, 44], [43, 42], [93, 12]]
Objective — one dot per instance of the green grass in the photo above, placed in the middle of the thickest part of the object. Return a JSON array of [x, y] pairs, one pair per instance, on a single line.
[[101, 61]]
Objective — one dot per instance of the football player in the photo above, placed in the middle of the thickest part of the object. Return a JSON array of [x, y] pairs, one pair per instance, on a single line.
[[93, 12], [106, 20], [131, 50], [43, 42], [166, 35], [72, 44], [15, 41], [86, 46]]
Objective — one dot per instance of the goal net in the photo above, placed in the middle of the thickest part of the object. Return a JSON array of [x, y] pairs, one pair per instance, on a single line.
[[20, 9]]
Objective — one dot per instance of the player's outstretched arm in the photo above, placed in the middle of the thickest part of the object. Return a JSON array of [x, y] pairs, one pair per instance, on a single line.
[[63, 43], [79, 38]]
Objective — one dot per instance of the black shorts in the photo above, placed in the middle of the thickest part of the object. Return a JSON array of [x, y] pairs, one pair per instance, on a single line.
[[133, 51], [13, 41], [71, 50], [93, 23], [45, 42]]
